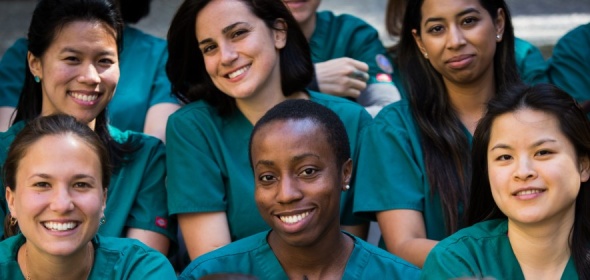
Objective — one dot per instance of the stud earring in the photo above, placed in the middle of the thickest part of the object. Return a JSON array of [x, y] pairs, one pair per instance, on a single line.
[[13, 221], [37, 79], [426, 55], [103, 220], [347, 187], [498, 36]]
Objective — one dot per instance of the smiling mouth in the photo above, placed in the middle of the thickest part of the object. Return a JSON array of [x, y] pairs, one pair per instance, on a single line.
[[238, 72], [84, 97], [528, 192], [294, 218], [54, 226]]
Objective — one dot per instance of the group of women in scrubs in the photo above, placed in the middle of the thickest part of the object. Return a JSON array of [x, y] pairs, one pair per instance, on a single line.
[[252, 136]]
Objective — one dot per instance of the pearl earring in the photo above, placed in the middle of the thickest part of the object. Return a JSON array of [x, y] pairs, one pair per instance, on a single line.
[[498, 36], [347, 187], [426, 55]]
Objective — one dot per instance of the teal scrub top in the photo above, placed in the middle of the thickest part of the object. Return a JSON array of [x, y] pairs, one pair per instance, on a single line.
[[209, 167], [114, 258], [143, 82], [348, 36], [482, 250], [569, 66], [254, 256], [136, 197], [531, 64], [392, 174]]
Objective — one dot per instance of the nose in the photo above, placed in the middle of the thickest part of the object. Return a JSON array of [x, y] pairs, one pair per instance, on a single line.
[[228, 54], [455, 38], [288, 191], [89, 75], [524, 169], [61, 200]]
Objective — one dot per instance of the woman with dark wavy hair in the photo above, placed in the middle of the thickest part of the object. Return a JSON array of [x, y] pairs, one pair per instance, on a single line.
[[232, 61], [530, 196], [454, 56]]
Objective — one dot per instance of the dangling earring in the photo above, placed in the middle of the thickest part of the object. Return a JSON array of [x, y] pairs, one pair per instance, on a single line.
[[103, 220], [13, 221], [37, 79]]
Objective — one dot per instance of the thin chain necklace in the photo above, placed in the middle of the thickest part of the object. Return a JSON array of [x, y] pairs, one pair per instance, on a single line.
[[89, 256]]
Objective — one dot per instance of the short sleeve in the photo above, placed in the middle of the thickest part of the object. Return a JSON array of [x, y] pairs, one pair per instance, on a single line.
[[12, 73], [531, 63]]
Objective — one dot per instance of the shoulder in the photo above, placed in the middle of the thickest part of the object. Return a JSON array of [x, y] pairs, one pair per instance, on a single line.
[[396, 114], [380, 255], [7, 136], [229, 257], [197, 110], [137, 37], [337, 104], [9, 248], [349, 21], [575, 38]]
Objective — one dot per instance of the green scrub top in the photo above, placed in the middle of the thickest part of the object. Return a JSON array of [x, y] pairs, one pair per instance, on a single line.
[[531, 64], [254, 256], [136, 196], [143, 82], [209, 167], [348, 36], [569, 66], [482, 250], [392, 174], [114, 258]]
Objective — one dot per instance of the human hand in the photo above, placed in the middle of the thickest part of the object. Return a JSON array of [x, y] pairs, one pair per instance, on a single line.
[[344, 77]]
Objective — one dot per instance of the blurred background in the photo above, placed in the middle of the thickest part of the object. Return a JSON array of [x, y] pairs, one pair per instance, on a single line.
[[541, 22]]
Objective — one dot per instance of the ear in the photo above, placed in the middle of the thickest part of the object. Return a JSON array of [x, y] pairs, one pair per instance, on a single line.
[[10, 200], [346, 173], [500, 24], [35, 65], [584, 168], [419, 42], [280, 33]]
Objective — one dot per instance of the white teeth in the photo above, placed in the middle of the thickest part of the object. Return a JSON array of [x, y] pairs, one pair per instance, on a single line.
[[85, 97], [527, 192], [59, 226], [293, 219], [238, 72]]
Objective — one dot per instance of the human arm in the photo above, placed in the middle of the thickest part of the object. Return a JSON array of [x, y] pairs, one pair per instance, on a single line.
[[404, 234], [156, 118], [339, 77], [153, 239], [6, 115], [204, 232]]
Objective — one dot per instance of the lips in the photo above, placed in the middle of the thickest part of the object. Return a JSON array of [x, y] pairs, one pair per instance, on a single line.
[[60, 226], [292, 219], [526, 192], [85, 97], [460, 61], [238, 72]]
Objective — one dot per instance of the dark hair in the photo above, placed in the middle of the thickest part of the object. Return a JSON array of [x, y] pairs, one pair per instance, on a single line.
[[186, 66], [572, 123], [134, 10], [49, 17], [394, 16], [300, 109], [47, 126], [446, 148]]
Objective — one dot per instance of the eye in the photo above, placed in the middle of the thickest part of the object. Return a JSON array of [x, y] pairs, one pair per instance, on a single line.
[[208, 48], [42, 185], [504, 158], [266, 178], [308, 172], [82, 185], [71, 59], [106, 61], [470, 21], [435, 29], [239, 32], [543, 153]]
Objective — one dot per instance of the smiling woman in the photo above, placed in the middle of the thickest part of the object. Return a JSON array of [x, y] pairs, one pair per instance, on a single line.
[[300, 154], [57, 209], [529, 193]]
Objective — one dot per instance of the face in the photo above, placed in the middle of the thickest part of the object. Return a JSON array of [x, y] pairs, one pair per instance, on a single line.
[[79, 71], [459, 38], [241, 53], [298, 183], [535, 175], [58, 198], [303, 10]]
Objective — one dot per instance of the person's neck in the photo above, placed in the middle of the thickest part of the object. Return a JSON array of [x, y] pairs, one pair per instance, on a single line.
[[542, 250], [469, 101], [36, 265], [325, 259], [308, 26], [254, 108]]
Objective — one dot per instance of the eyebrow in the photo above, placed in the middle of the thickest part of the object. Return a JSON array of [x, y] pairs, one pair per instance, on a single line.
[[536, 144], [76, 176], [224, 31], [68, 49], [460, 14], [294, 159]]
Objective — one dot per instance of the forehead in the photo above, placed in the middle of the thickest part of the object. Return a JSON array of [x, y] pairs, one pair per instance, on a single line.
[[218, 14], [525, 124], [449, 8], [85, 32], [291, 133]]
